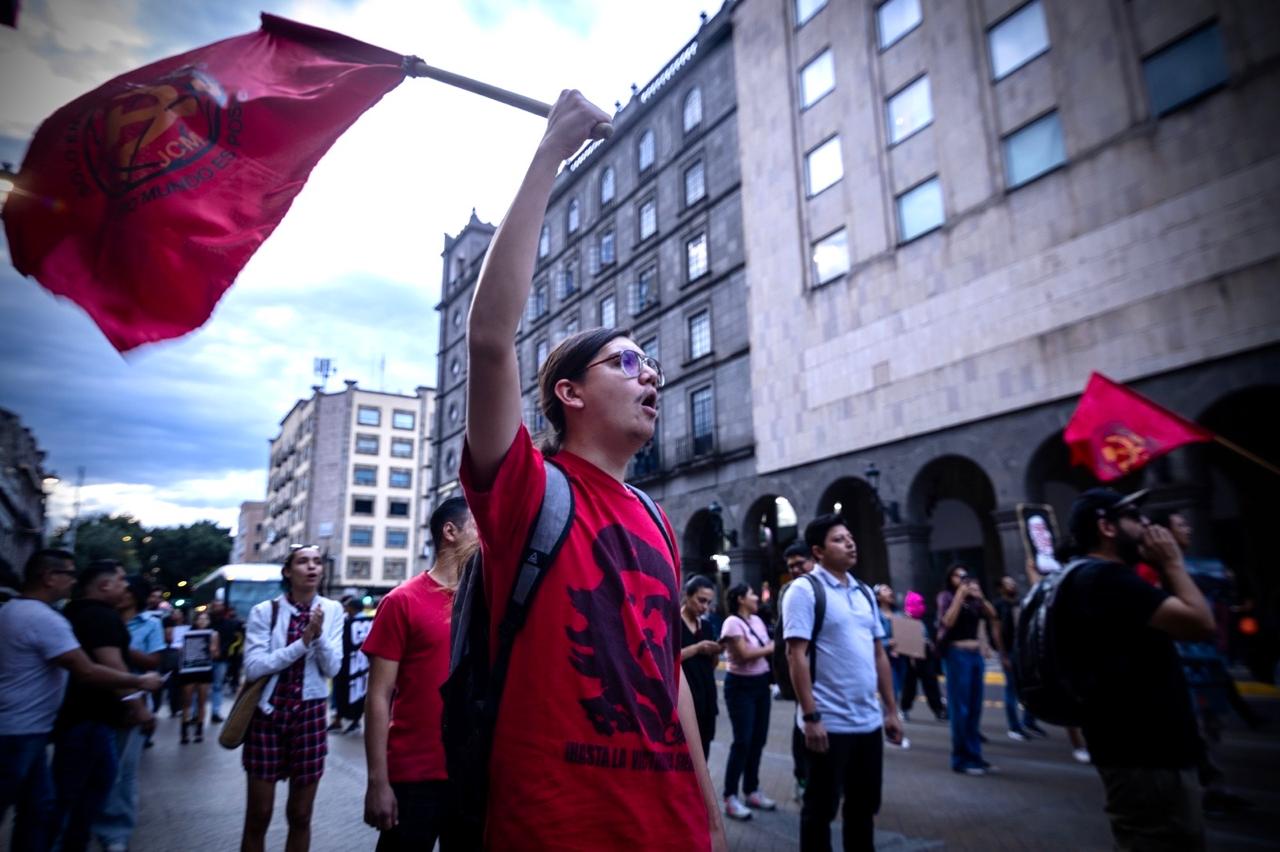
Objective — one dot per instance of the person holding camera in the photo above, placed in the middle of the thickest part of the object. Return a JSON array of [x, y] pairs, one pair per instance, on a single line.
[[961, 609]]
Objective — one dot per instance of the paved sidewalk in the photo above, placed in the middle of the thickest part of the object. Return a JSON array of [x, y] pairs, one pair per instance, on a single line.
[[193, 796]]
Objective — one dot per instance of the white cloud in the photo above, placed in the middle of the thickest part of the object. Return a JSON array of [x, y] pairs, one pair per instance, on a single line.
[[214, 499]]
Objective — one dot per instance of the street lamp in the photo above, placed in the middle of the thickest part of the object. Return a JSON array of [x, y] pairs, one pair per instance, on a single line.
[[887, 510]]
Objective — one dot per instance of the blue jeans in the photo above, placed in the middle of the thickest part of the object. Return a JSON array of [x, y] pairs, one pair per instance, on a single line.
[[215, 693], [964, 704], [26, 784], [747, 699], [1011, 704], [898, 668], [84, 768], [120, 811]]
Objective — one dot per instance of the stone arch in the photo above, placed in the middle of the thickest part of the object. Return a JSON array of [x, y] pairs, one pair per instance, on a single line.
[[1236, 503], [953, 497], [702, 539], [853, 499], [769, 525]]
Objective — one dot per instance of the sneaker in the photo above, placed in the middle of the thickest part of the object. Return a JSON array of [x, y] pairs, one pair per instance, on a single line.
[[1082, 755], [353, 728], [905, 744], [734, 809], [1019, 736], [1035, 728], [115, 846], [972, 770], [760, 802], [982, 738], [799, 796], [215, 719]]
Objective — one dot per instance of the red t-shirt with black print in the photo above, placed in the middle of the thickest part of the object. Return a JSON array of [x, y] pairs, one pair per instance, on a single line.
[[589, 752]]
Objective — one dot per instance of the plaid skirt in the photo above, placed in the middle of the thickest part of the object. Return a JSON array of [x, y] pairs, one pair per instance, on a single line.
[[290, 744]]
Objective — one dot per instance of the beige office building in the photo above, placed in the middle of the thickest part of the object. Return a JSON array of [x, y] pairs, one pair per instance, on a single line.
[[347, 474], [955, 210]]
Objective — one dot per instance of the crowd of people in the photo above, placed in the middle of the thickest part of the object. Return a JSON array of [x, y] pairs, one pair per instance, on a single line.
[[597, 723]]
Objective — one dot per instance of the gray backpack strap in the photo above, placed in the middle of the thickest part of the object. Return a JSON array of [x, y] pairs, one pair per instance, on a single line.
[[656, 514]]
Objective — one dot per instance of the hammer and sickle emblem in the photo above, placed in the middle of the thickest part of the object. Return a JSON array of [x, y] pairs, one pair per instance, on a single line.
[[1124, 451]]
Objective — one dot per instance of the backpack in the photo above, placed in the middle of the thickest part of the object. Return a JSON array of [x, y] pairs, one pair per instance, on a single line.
[[1045, 681], [473, 690], [781, 665]]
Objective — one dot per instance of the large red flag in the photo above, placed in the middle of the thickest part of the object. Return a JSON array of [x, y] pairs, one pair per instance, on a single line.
[[142, 200], [1115, 431]]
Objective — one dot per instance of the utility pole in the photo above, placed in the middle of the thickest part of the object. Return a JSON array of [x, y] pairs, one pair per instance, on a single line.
[[70, 540]]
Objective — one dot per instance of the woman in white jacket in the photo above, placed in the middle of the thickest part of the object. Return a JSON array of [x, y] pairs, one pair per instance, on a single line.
[[296, 642]]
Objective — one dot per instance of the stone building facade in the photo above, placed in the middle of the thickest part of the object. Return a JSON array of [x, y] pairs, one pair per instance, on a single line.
[[346, 475], [956, 211], [643, 231], [22, 498]]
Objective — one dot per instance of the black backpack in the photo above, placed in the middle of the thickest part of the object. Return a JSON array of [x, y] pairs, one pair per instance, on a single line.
[[781, 666], [1048, 685], [473, 690]]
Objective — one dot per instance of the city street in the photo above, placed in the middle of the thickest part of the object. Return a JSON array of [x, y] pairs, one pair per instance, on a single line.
[[193, 796]]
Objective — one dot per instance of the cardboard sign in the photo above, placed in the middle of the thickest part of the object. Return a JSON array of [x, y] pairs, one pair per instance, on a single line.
[[908, 636]]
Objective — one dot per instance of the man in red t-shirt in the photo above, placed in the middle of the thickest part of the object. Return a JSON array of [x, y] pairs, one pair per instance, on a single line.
[[596, 744], [408, 797]]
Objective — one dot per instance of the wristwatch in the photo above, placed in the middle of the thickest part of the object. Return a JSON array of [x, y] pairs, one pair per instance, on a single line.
[[815, 716]]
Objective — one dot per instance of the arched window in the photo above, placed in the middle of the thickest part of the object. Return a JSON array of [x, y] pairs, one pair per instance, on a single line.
[[572, 215], [645, 150], [544, 241], [606, 185], [692, 109]]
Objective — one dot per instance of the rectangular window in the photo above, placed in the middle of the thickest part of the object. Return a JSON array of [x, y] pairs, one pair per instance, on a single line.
[[544, 241], [571, 326], [920, 209], [1185, 70], [607, 250], [364, 475], [895, 19], [394, 569], [644, 292], [397, 508], [703, 421], [397, 538], [696, 256], [401, 477], [910, 110], [695, 184], [401, 419], [539, 301], [651, 349], [569, 281], [402, 448], [648, 218], [361, 537], [540, 353], [806, 9], [362, 505], [608, 312], [367, 444], [817, 78], [831, 257], [1033, 150], [823, 166], [645, 150], [699, 335], [359, 569], [368, 415], [1018, 39]]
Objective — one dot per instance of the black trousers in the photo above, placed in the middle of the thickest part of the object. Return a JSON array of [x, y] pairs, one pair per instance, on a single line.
[[428, 810], [799, 755], [851, 765], [926, 673]]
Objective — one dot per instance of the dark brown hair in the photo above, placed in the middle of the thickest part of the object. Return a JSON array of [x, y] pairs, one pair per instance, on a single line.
[[568, 360]]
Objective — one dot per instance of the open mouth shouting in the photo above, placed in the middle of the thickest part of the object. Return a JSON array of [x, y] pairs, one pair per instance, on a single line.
[[649, 401]]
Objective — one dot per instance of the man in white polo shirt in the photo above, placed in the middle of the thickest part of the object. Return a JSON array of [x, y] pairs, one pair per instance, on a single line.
[[843, 723]]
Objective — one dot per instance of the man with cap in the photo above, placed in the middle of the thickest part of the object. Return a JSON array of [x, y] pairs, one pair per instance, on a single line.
[[1138, 722]]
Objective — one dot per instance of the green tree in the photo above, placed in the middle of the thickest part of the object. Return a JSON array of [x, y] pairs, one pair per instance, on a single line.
[[106, 537], [174, 554]]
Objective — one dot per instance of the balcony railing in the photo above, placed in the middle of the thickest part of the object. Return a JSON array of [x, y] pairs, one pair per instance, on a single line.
[[647, 462], [696, 448]]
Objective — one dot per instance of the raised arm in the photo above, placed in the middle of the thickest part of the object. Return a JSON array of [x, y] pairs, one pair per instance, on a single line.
[[493, 379]]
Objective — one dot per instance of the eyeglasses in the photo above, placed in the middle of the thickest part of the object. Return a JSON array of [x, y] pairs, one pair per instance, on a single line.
[[631, 363]]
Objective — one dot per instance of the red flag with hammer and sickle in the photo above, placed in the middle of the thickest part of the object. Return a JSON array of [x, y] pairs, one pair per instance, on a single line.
[[142, 200], [1115, 431]]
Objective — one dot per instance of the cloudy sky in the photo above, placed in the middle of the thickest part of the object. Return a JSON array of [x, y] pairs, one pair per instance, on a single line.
[[177, 431]]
